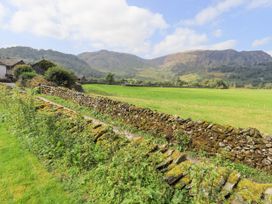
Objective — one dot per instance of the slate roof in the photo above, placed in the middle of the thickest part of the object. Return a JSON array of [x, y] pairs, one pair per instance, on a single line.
[[10, 61]]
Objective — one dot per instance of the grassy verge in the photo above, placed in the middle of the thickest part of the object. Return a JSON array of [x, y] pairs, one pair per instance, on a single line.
[[22, 178], [108, 170]]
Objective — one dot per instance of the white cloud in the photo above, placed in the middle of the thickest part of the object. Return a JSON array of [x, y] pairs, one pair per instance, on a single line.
[[212, 12], [269, 52], [102, 23], [228, 44], [2, 13], [187, 39], [263, 41], [217, 33], [181, 39], [259, 3]]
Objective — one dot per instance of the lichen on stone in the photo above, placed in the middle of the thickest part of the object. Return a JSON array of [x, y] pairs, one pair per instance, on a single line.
[[250, 191], [181, 168]]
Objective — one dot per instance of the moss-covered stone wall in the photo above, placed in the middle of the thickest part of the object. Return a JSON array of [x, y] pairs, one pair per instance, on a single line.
[[202, 180], [248, 146]]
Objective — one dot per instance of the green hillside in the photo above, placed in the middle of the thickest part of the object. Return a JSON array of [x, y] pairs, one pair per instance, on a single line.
[[117, 63], [31, 55]]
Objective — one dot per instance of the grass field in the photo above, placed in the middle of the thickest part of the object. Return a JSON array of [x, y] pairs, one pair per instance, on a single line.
[[22, 178], [236, 107]]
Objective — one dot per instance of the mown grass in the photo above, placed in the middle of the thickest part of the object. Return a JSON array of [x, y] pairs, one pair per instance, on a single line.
[[237, 107], [22, 178]]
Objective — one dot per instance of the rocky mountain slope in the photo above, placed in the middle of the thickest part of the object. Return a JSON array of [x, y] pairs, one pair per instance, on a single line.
[[209, 59], [246, 66]]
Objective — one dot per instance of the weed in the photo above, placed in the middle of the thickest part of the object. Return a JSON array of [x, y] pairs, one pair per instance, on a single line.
[[183, 140]]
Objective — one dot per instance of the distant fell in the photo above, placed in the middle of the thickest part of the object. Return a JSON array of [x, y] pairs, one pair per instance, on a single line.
[[202, 60], [31, 55], [244, 66], [238, 66], [115, 62]]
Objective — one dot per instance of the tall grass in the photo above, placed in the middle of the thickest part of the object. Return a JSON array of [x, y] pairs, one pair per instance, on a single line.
[[109, 171], [246, 171], [23, 179], [91, 172]]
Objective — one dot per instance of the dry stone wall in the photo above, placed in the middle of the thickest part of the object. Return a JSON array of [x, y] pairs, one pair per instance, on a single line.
[[226, 186], [248, 146]]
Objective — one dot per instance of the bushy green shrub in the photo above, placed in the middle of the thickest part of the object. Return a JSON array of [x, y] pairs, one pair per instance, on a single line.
[[130, 177], [22, 69], [25, 78], [60, 76], [184, 140], [27, 75], [215, 83]]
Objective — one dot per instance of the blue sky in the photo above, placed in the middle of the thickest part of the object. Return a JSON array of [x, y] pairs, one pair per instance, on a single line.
[[148, 28]]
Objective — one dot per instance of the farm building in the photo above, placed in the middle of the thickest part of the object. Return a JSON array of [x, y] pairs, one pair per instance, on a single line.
[[7, 66]]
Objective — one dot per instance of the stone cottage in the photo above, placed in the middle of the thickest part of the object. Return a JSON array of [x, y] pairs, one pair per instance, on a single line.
[[6, 68]]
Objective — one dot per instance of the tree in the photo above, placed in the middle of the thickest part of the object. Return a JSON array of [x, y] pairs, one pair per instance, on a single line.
[[221, 84], [215, 83], [42, 66], [180, 83], [60, 76], [110, 78], [20, 69]]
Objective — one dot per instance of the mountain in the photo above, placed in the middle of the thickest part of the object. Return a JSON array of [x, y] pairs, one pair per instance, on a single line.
[[30, 55], [246, 66], [202, 60], [117, 63]]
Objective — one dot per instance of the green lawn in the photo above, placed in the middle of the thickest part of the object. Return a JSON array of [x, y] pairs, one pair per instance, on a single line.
[[22, 178], [236, 107]]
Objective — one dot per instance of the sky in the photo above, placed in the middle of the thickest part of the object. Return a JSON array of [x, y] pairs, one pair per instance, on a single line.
[[148, 28]]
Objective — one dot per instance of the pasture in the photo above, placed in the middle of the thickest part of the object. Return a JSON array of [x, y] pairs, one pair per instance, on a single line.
[[237, 107]]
